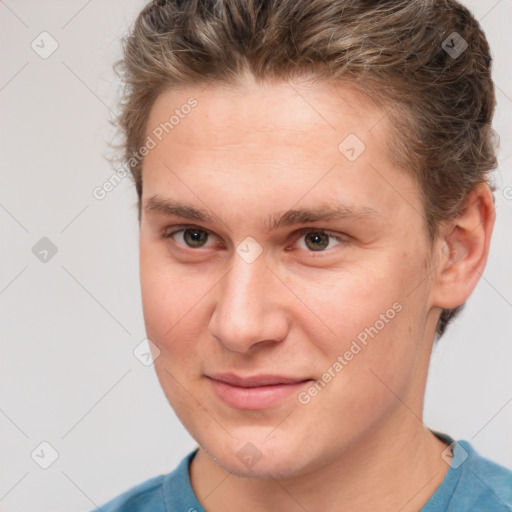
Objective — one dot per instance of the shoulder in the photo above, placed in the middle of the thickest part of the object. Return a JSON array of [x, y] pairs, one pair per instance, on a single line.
[[473, 483], [163, 493], [487, 483], [144, 497]]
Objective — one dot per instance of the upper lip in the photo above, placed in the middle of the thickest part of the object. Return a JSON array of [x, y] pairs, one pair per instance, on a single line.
[[255, 380]]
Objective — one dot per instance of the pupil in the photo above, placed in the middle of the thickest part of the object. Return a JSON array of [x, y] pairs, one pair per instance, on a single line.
[[194, 238], [317, 239]]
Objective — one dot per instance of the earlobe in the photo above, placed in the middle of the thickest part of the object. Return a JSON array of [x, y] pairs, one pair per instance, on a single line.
[[463, 246]]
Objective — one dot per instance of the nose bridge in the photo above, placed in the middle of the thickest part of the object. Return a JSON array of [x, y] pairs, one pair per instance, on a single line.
[[246, 311]]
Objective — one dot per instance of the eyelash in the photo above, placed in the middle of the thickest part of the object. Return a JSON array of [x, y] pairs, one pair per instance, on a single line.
[[171, 231]]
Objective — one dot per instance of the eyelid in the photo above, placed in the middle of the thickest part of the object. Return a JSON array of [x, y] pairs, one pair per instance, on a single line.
[[169, 231], [311, 229], [341, 238], [308, 229]]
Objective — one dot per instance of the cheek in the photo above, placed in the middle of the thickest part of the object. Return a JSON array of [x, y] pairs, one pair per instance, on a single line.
[[350, 302], [375, 324], [167, 303], [174, 302], [165, 296]]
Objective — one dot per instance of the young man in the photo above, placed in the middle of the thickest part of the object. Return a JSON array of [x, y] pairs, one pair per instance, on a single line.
[[314, 208]]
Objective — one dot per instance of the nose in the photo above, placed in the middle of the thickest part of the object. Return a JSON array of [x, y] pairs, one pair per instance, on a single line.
[[249, 311]]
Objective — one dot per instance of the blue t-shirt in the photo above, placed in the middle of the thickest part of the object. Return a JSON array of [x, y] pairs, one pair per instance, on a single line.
[[471, 484]]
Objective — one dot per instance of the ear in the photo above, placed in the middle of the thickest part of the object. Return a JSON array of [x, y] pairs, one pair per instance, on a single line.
[[462, 248]]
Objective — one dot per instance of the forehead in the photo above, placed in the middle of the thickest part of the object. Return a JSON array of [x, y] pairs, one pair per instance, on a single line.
[[294, 113], [284, 142]]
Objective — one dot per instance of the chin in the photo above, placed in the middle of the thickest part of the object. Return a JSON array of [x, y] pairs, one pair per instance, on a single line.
[[264, 459]]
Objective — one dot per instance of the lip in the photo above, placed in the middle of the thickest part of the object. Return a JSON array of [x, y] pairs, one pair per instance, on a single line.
[[255, 392]]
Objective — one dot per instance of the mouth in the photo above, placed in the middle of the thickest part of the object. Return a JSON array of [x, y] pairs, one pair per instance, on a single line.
[[255, 392]]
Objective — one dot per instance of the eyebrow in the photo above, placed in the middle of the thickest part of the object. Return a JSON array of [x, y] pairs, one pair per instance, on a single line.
[[324, 212]]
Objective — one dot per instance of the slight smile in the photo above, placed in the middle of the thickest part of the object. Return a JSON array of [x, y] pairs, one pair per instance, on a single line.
[[255, 392]]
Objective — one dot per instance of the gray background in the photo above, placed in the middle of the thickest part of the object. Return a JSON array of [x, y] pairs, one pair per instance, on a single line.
[[70, 324]]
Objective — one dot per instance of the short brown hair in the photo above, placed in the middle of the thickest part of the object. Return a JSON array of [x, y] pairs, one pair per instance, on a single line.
[[439, 103]]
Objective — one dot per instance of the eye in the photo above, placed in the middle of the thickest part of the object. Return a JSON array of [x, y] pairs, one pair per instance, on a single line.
[[318, 240], [191, 236], [311, 239]]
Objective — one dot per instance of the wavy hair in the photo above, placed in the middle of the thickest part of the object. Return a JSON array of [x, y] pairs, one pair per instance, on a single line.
[[440, 103]]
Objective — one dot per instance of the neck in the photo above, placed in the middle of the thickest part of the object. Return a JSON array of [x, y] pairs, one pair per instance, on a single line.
[[397, 469]]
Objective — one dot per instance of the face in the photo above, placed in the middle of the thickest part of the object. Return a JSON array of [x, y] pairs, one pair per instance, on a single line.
[[283, 268]]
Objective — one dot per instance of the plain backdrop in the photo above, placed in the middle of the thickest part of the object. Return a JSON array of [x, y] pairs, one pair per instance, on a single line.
[[71, 320]]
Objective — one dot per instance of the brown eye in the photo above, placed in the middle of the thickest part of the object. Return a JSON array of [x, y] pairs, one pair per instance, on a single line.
[[188, 236], [317, 241], [195, 237]]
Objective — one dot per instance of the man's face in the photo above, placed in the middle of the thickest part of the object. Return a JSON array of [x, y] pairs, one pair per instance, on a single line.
[[283, 344]]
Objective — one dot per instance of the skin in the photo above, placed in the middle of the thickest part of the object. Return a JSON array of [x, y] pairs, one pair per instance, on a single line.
[[243, 155]]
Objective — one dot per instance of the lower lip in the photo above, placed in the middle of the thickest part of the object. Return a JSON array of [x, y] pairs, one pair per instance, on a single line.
[[261, 397]]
